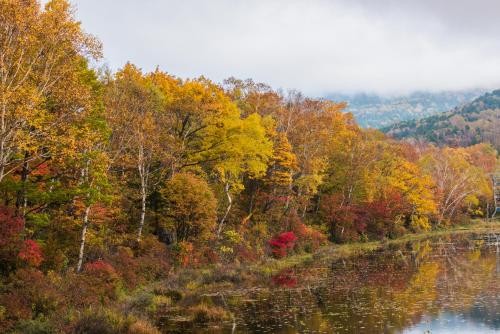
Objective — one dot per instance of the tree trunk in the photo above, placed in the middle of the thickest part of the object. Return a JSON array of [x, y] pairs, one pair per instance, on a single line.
[[21, 200], [287, 204], [3, 130], [230, 203], [143, 211], [318, 204], [143, 168], [82, 241], [253, 190]]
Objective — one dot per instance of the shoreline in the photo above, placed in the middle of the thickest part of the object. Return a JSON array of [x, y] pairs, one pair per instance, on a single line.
[[197, 287], [344, 251], [221, 277]]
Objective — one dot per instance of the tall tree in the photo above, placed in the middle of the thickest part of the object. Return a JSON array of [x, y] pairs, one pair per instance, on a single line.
[[246, 152], [188, 208], [133, 108], [457, 179], [40, 54], [91, 156]]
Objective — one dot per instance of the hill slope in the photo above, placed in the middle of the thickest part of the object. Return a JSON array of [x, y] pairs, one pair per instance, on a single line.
[[377, 111], [472, 123]]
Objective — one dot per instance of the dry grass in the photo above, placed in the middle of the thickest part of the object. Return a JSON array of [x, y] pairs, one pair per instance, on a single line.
[[203, 313], [142, 327]]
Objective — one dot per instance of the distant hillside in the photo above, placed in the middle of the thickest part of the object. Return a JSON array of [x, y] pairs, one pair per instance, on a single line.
[[376, 111], [472, 123]]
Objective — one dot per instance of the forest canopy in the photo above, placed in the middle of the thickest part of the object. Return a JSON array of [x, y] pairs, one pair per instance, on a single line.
[[112, 179]]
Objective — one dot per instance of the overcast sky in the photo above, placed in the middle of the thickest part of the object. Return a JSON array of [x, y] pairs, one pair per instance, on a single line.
[[316, 46]]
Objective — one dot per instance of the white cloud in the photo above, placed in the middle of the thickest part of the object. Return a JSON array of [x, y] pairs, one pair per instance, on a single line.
[[316, 46]]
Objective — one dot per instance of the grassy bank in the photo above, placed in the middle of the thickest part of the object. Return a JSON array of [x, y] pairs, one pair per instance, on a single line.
[[344, 251], [227, 277], [193, 295]]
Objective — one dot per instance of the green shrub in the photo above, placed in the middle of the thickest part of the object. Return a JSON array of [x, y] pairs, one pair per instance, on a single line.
[[37, 326], [102, 321]]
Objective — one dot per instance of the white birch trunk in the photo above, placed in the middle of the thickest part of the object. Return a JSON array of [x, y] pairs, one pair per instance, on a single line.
[[230, 203], [82, 240]]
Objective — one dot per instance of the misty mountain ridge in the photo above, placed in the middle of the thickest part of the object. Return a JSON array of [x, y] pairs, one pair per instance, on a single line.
[[472, 123], [379, 111]]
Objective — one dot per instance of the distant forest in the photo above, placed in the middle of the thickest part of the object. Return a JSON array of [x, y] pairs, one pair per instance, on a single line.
[[378, 111], [470, 124]]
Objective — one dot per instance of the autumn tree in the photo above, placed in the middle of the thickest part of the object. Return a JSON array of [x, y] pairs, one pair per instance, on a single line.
[[283, 164], [188, 208], [394, 173], [201, 114], [133, 114], [458, 181], [246, 152], [208, 131], [251, 97], [90, 155], [372, 187], [91, 160], [312, 127], [40, 91]]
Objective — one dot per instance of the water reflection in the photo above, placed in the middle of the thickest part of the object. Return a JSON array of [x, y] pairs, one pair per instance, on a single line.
[[433, 286], [287, 279], [450, 323]]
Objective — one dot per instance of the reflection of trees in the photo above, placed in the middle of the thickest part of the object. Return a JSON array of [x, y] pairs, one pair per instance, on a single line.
[[356, 298], [488, 312], [464, 277], [383, 293], [474, 289], [419, 296], [498, 259]]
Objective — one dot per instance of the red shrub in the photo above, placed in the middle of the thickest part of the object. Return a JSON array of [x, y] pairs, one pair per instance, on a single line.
[[102, 270], [309, 239], [127, 265], [10, 226], [345, 221], [286, 279], [152, 258], [282, 243], [11, 243], [31, 253], [186, 253], [30, 293], [381, 215], [376, 218], [97, 284]]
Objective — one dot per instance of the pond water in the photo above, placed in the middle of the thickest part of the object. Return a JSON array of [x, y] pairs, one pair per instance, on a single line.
[[449, 285]]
